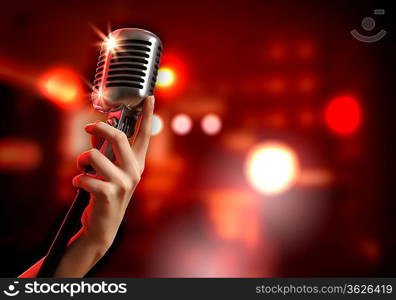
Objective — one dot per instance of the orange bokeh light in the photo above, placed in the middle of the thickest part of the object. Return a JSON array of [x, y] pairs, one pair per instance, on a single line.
[[17, 154], [61, 86]]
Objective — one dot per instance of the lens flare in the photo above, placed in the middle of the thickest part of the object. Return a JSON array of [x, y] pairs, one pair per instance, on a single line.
[[111, 43], [272, 167], [166, 77]]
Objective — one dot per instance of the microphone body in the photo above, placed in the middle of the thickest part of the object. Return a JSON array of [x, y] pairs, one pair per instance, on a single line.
[[126, 74]]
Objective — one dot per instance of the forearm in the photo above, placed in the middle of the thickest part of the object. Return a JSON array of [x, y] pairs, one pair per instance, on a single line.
[[80, 256]]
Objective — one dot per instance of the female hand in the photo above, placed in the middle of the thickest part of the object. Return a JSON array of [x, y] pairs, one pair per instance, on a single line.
[[111, 190], [114, 183]]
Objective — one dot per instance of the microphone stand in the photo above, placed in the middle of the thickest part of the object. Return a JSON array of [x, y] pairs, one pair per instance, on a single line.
[[125, 120]]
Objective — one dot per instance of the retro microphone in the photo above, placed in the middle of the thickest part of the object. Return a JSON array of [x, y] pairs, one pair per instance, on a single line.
[[126, 74]]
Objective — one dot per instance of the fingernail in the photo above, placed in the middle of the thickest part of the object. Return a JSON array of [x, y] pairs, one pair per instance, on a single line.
[[89, 127], [152, 99]]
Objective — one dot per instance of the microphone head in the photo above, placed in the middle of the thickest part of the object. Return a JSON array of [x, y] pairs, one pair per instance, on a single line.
[[127, 69]]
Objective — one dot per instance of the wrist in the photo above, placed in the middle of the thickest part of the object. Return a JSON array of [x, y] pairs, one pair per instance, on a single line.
[[97, 244]]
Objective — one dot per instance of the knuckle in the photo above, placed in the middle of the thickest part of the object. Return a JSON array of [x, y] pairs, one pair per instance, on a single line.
[[119, 136], [108, 193], [124, 186], [136, 178], [93, 153], [143, 166]]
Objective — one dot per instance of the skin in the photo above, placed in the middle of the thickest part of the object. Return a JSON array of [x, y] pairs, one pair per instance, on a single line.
[[111, 190]]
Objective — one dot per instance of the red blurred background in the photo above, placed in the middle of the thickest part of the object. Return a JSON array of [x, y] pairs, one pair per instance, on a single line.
[[274, 153]]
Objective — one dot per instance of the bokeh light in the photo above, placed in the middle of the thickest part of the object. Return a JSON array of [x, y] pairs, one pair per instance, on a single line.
[[343, 115], [306, 84], [18, 154], [62, 86], [181, 124], [275, 85], [306, 50], [157, 125], [166, 77], [211, 124], [271, 167], [276, 52]]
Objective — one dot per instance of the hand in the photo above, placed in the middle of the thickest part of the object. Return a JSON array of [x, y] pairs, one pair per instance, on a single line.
[[111, 190], [114, 183]]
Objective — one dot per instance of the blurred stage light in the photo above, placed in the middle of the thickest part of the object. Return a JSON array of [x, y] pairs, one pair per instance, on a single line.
[[306, 84], [306, 117], [275, 85], [277, 119], [18, 154], [234, 214], [211, 124], [166, 77], [306, 50], [181, 124], [315, 177], [276, 52], [343, 115], [61, 86], [157, 125], [271, 167]]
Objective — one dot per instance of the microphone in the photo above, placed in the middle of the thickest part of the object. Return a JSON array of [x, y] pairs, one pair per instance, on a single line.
[[127, 69], [126, 74]]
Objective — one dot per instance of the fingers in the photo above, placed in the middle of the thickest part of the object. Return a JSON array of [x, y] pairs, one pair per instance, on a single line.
[[102, 165], [117, 139], [143, 136], [90, 184]]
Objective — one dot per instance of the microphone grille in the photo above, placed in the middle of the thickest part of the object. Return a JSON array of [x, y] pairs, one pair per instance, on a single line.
[[127, 67]]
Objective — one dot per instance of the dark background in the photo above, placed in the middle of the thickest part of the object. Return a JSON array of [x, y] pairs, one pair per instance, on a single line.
[[221, 52]]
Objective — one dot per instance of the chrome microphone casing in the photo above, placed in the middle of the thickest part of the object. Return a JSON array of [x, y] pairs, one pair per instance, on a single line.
[[127, 69]]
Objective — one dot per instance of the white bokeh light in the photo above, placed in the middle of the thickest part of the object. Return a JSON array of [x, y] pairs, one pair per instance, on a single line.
[[181, 124], [157, 125], [211, 124], [272, 167]]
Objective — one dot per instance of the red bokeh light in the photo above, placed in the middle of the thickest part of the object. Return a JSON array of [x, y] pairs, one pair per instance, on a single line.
[[343, 115], [275, 85], [306, 50], [306, 84], [276, 52], [61, 86]]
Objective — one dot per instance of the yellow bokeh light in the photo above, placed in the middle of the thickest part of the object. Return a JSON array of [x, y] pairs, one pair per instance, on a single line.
[[166, 77], [272, 167], [63, 92]]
